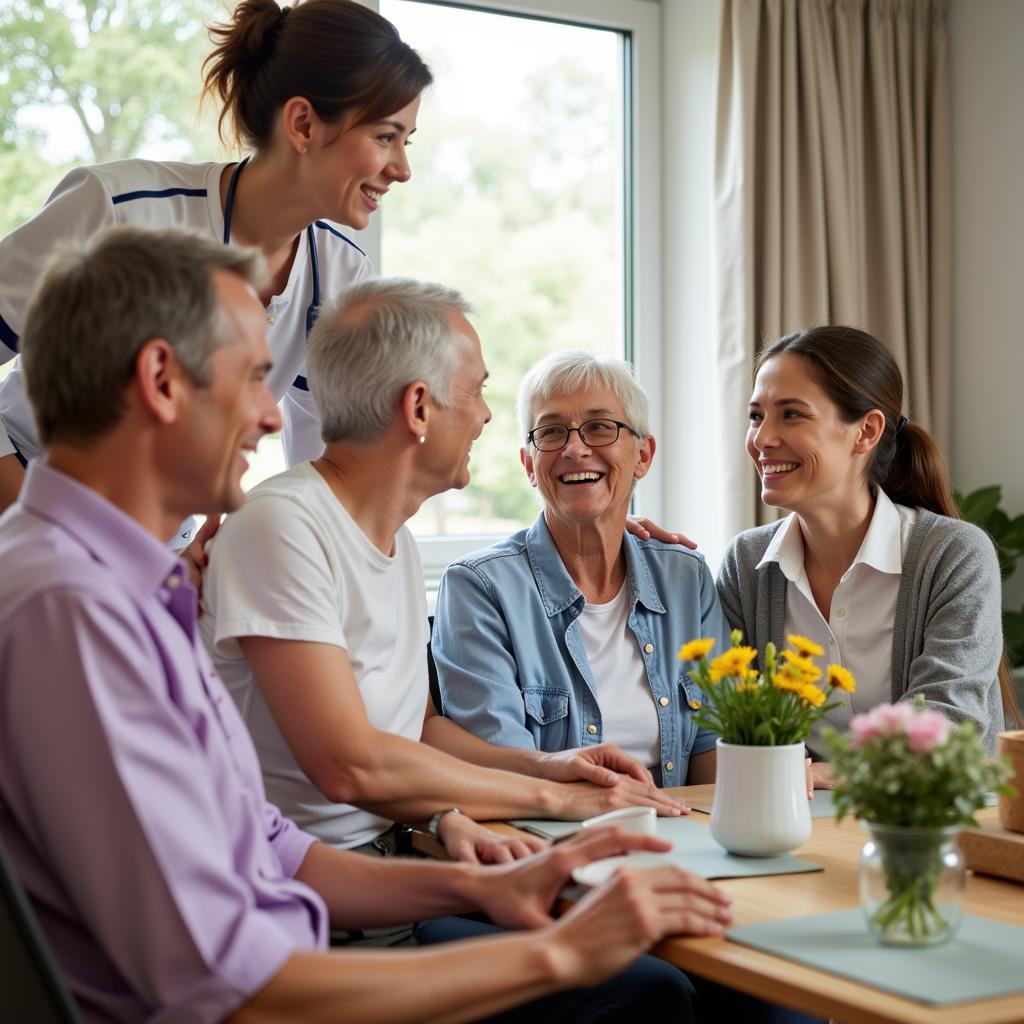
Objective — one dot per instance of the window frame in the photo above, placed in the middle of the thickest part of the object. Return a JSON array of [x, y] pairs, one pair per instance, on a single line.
[[640, 23]]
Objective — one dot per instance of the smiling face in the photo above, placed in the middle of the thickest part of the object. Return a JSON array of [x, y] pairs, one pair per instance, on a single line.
[[351, 167], [805, 455], [452, 430], [580, 484], [226, 419]]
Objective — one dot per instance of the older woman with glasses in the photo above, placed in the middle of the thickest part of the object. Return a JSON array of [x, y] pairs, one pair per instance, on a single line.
[[565, 634]]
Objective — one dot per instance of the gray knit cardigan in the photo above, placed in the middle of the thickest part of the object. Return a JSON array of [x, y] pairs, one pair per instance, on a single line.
[[947, 634]]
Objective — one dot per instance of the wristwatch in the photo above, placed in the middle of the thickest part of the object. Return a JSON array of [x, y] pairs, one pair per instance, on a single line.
[[435, 822]]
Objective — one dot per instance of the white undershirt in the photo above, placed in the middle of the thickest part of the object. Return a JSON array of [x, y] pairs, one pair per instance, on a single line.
[[628, 715], [858, 633]]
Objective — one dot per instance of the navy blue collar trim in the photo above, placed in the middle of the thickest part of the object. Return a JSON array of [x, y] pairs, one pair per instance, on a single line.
[[127, 197], [7, 335]]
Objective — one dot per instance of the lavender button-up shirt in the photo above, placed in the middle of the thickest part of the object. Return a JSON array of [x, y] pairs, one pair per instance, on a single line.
[[131, 800]]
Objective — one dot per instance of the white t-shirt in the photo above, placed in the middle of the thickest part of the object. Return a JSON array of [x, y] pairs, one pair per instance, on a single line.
[[629, 717], [858, 632], [292, 564], [155, 194]]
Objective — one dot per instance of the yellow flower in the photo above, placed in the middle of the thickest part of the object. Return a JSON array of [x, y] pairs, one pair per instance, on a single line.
[[733, 663], [696, 649], [736, 636], [841, 678], [783, 681], [807, 669], [810, 693], [747, 687], [806, 647]]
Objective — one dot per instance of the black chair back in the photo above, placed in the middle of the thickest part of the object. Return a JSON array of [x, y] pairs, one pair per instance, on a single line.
[[435, 686], [31, 986]]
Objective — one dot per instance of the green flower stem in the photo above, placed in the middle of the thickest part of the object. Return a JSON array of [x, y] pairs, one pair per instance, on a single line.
[[910, 878]]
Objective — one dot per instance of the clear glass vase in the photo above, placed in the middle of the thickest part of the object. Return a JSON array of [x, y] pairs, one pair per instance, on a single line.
[[912, 884]]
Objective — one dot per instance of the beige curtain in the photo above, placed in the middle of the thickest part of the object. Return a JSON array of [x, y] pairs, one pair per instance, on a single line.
[[832, 195]]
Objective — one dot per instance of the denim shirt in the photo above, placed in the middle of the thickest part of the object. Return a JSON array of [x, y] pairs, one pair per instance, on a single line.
[[510, 659]]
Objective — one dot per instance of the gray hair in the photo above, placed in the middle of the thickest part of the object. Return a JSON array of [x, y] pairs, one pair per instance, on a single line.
[[372, 344], [101, 300], [571, 370]]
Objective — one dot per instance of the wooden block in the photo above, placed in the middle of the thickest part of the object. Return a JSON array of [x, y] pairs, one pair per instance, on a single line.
[[994, 850]]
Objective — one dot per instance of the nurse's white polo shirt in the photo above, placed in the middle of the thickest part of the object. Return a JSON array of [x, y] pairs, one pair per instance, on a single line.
[[156, 194]]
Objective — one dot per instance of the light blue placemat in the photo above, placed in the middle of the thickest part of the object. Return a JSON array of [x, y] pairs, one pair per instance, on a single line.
[[821, 806], [693, 848], [984, 958]]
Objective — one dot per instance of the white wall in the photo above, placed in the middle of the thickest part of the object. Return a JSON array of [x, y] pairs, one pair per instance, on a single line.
[[986, 40]]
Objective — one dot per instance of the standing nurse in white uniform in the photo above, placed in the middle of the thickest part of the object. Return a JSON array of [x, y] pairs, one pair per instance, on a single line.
[[325, 96]]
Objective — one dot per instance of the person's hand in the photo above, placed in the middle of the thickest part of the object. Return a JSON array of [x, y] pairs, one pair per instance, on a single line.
[[819, 776], [467, 841], [645, 529], [603, 764], [195, 556], [579, 800], [615, 922]]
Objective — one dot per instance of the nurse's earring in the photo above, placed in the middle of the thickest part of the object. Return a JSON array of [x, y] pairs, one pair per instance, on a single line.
[[423, 438]]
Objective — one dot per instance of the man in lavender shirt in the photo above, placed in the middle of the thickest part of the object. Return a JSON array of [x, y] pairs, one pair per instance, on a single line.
[[130, 796]]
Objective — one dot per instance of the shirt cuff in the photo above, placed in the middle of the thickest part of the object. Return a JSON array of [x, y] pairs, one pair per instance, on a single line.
[[291, 845], [255, 955]]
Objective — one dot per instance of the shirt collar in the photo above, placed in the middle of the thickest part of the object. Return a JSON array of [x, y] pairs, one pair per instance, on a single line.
[[556, 586], [881, 548], [110, 535], [787, 548]]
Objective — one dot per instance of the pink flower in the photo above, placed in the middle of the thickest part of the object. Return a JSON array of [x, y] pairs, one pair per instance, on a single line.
[[864, 729], [891, 719], [926, 731]]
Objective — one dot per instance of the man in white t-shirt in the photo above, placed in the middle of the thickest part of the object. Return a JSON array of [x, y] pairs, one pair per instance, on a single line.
[[315, 606]]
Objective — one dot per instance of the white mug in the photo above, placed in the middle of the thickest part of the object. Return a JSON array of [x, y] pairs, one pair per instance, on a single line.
[[633, 819]]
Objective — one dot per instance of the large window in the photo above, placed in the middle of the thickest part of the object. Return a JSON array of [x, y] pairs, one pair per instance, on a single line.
[[535, 189], [517, 200]]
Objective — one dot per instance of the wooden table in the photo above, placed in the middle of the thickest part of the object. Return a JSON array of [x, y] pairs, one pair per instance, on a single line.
[[772, 898], [835, 847]]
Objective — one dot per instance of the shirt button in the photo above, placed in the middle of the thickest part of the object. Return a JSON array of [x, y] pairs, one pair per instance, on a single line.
[[649, 648], [831, 641], [663, 701], [694, 705], [669, 766], [592, 729], [173, 582], [271, 320], [840, 612]]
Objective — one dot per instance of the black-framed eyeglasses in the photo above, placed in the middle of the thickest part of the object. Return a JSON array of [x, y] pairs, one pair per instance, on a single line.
[[553, 437]]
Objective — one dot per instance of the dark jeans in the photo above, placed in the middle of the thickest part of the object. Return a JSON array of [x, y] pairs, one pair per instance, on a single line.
[[651, 990]]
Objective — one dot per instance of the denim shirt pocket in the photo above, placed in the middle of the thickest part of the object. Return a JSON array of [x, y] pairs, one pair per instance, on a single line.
[[545, 706], [691, 700], [547, 717]]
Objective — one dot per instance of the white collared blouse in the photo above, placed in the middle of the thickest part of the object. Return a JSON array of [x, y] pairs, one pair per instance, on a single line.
[[858, 631]]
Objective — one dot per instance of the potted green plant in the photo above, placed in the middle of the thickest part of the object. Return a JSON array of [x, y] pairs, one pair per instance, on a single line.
[[982, 507]]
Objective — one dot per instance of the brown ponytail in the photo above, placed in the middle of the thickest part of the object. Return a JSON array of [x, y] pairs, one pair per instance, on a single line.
[[859, 374], [337, 54]]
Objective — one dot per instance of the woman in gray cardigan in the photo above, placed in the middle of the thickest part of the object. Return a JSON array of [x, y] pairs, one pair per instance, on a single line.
[[873, 563]]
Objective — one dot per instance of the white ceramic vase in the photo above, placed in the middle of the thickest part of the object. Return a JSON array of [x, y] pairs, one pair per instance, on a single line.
[[760, 807]]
